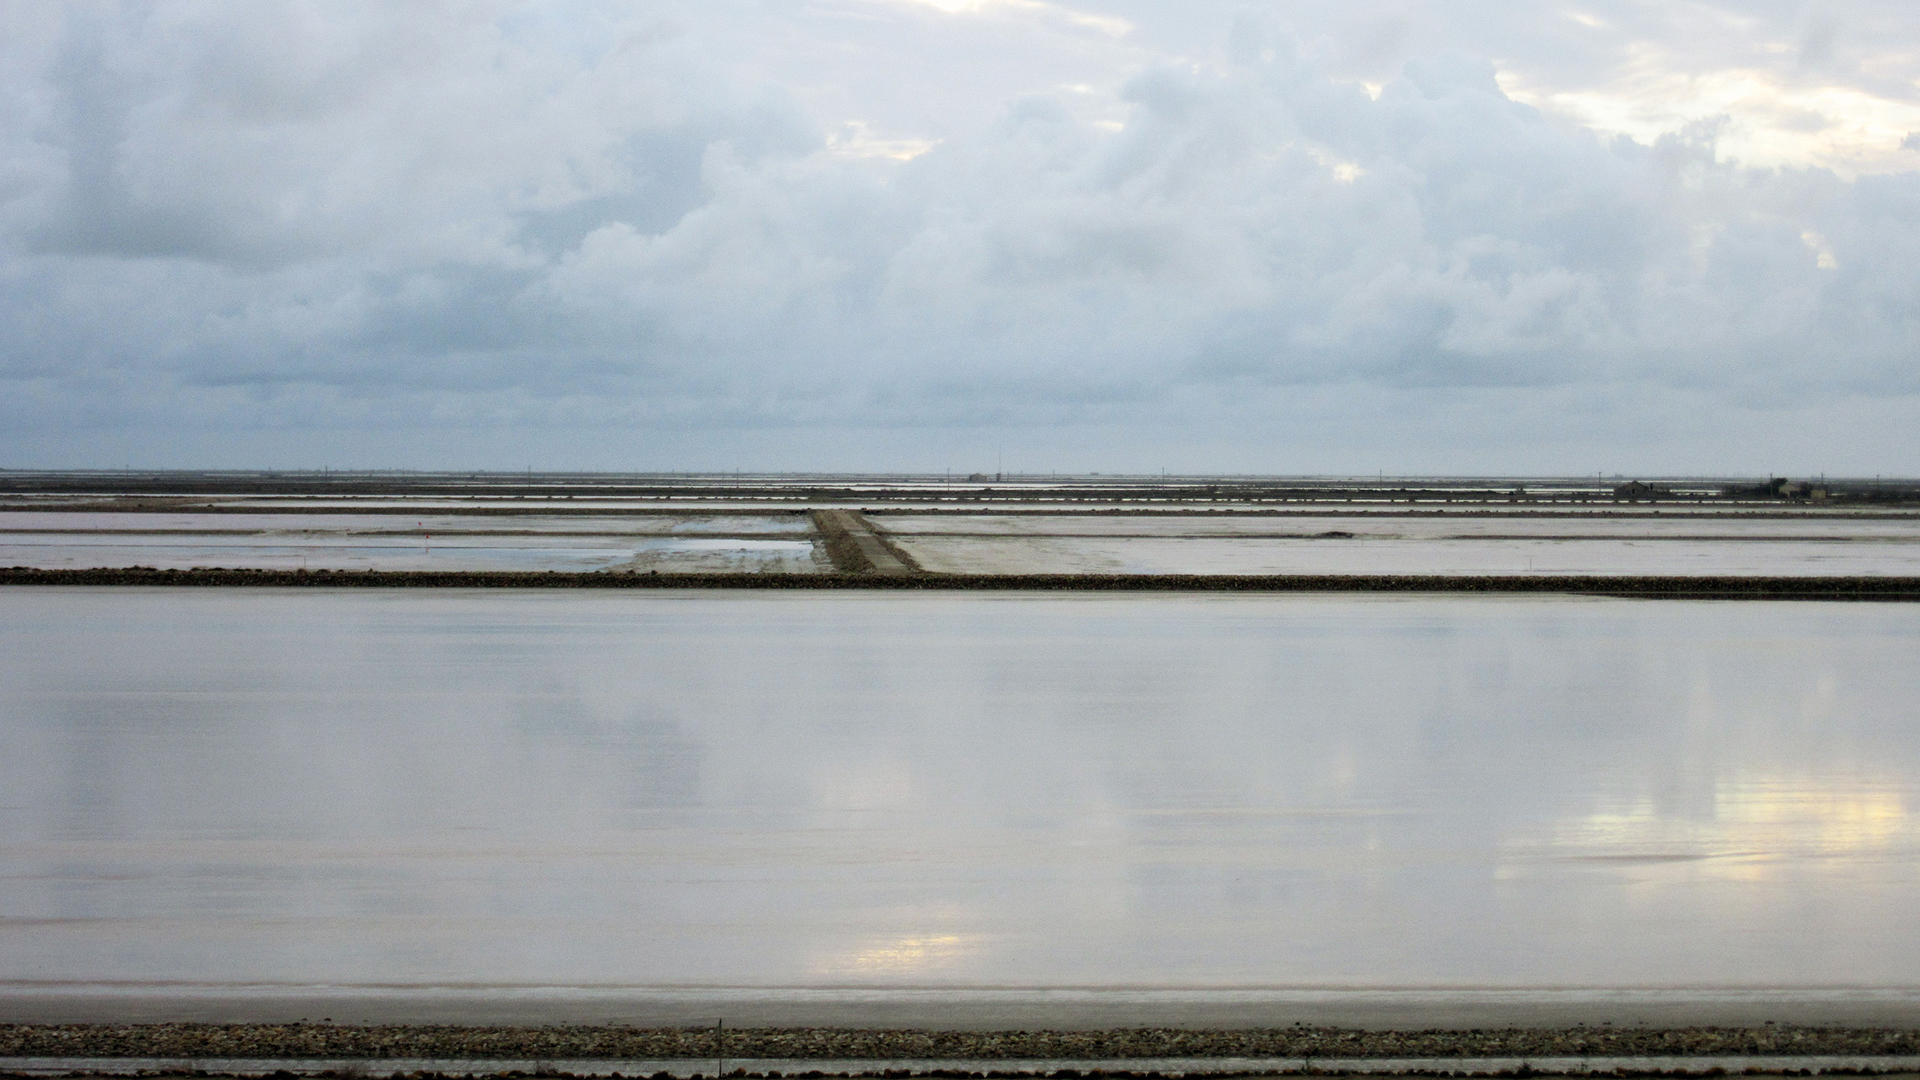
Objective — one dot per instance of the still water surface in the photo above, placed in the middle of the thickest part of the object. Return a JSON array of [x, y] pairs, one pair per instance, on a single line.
[[711, 789]]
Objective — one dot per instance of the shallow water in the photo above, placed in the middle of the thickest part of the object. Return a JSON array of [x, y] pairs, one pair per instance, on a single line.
[[500, 788], [1462, 543], [474, 542], [1362, 554], [781, 541], [1697, 523]]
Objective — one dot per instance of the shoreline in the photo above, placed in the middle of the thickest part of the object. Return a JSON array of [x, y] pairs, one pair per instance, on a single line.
[[1898, 589], [577, 1042]]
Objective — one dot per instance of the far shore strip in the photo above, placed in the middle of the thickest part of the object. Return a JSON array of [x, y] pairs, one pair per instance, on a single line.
[[591, 1042], [1642, 587]]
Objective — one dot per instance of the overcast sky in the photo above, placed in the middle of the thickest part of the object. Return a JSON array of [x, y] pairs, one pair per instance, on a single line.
[[1418, 236]]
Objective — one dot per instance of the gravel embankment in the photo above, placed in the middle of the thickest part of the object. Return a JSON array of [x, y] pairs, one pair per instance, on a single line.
[[1674, 588], [293, 1041]]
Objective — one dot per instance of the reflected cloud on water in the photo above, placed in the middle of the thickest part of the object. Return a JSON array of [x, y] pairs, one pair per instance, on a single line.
[[888, 790]]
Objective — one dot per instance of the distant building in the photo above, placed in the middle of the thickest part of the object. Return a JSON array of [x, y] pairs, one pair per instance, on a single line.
[[1803, 489], [1635, 489], [1769, 490], [1779, 487]]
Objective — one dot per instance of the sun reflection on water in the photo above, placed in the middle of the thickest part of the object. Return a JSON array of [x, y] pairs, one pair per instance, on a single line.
[[1752, 824], [900, 956]]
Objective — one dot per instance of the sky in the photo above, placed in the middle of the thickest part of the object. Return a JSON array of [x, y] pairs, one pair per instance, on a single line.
[[1297, 237]]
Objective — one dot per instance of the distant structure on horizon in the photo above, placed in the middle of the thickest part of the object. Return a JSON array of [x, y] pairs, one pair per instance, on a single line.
[[1778, 487], [1636, 489]]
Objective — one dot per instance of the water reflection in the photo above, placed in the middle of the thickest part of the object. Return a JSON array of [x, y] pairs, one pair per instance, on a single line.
[[1749, 822], [751, 789]]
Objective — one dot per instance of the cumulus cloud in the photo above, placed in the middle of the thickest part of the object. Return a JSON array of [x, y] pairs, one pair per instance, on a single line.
[[716, 222]]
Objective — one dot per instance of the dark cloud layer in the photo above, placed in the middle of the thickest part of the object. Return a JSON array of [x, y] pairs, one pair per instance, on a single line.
[[410, 234]]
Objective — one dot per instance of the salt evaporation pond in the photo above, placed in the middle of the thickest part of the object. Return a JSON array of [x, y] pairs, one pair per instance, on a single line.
[[446, 542], [1805, 545], [513, 789]]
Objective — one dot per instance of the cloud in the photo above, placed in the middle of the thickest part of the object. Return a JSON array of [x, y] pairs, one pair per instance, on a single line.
[[500, 217], [1034, 10]]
